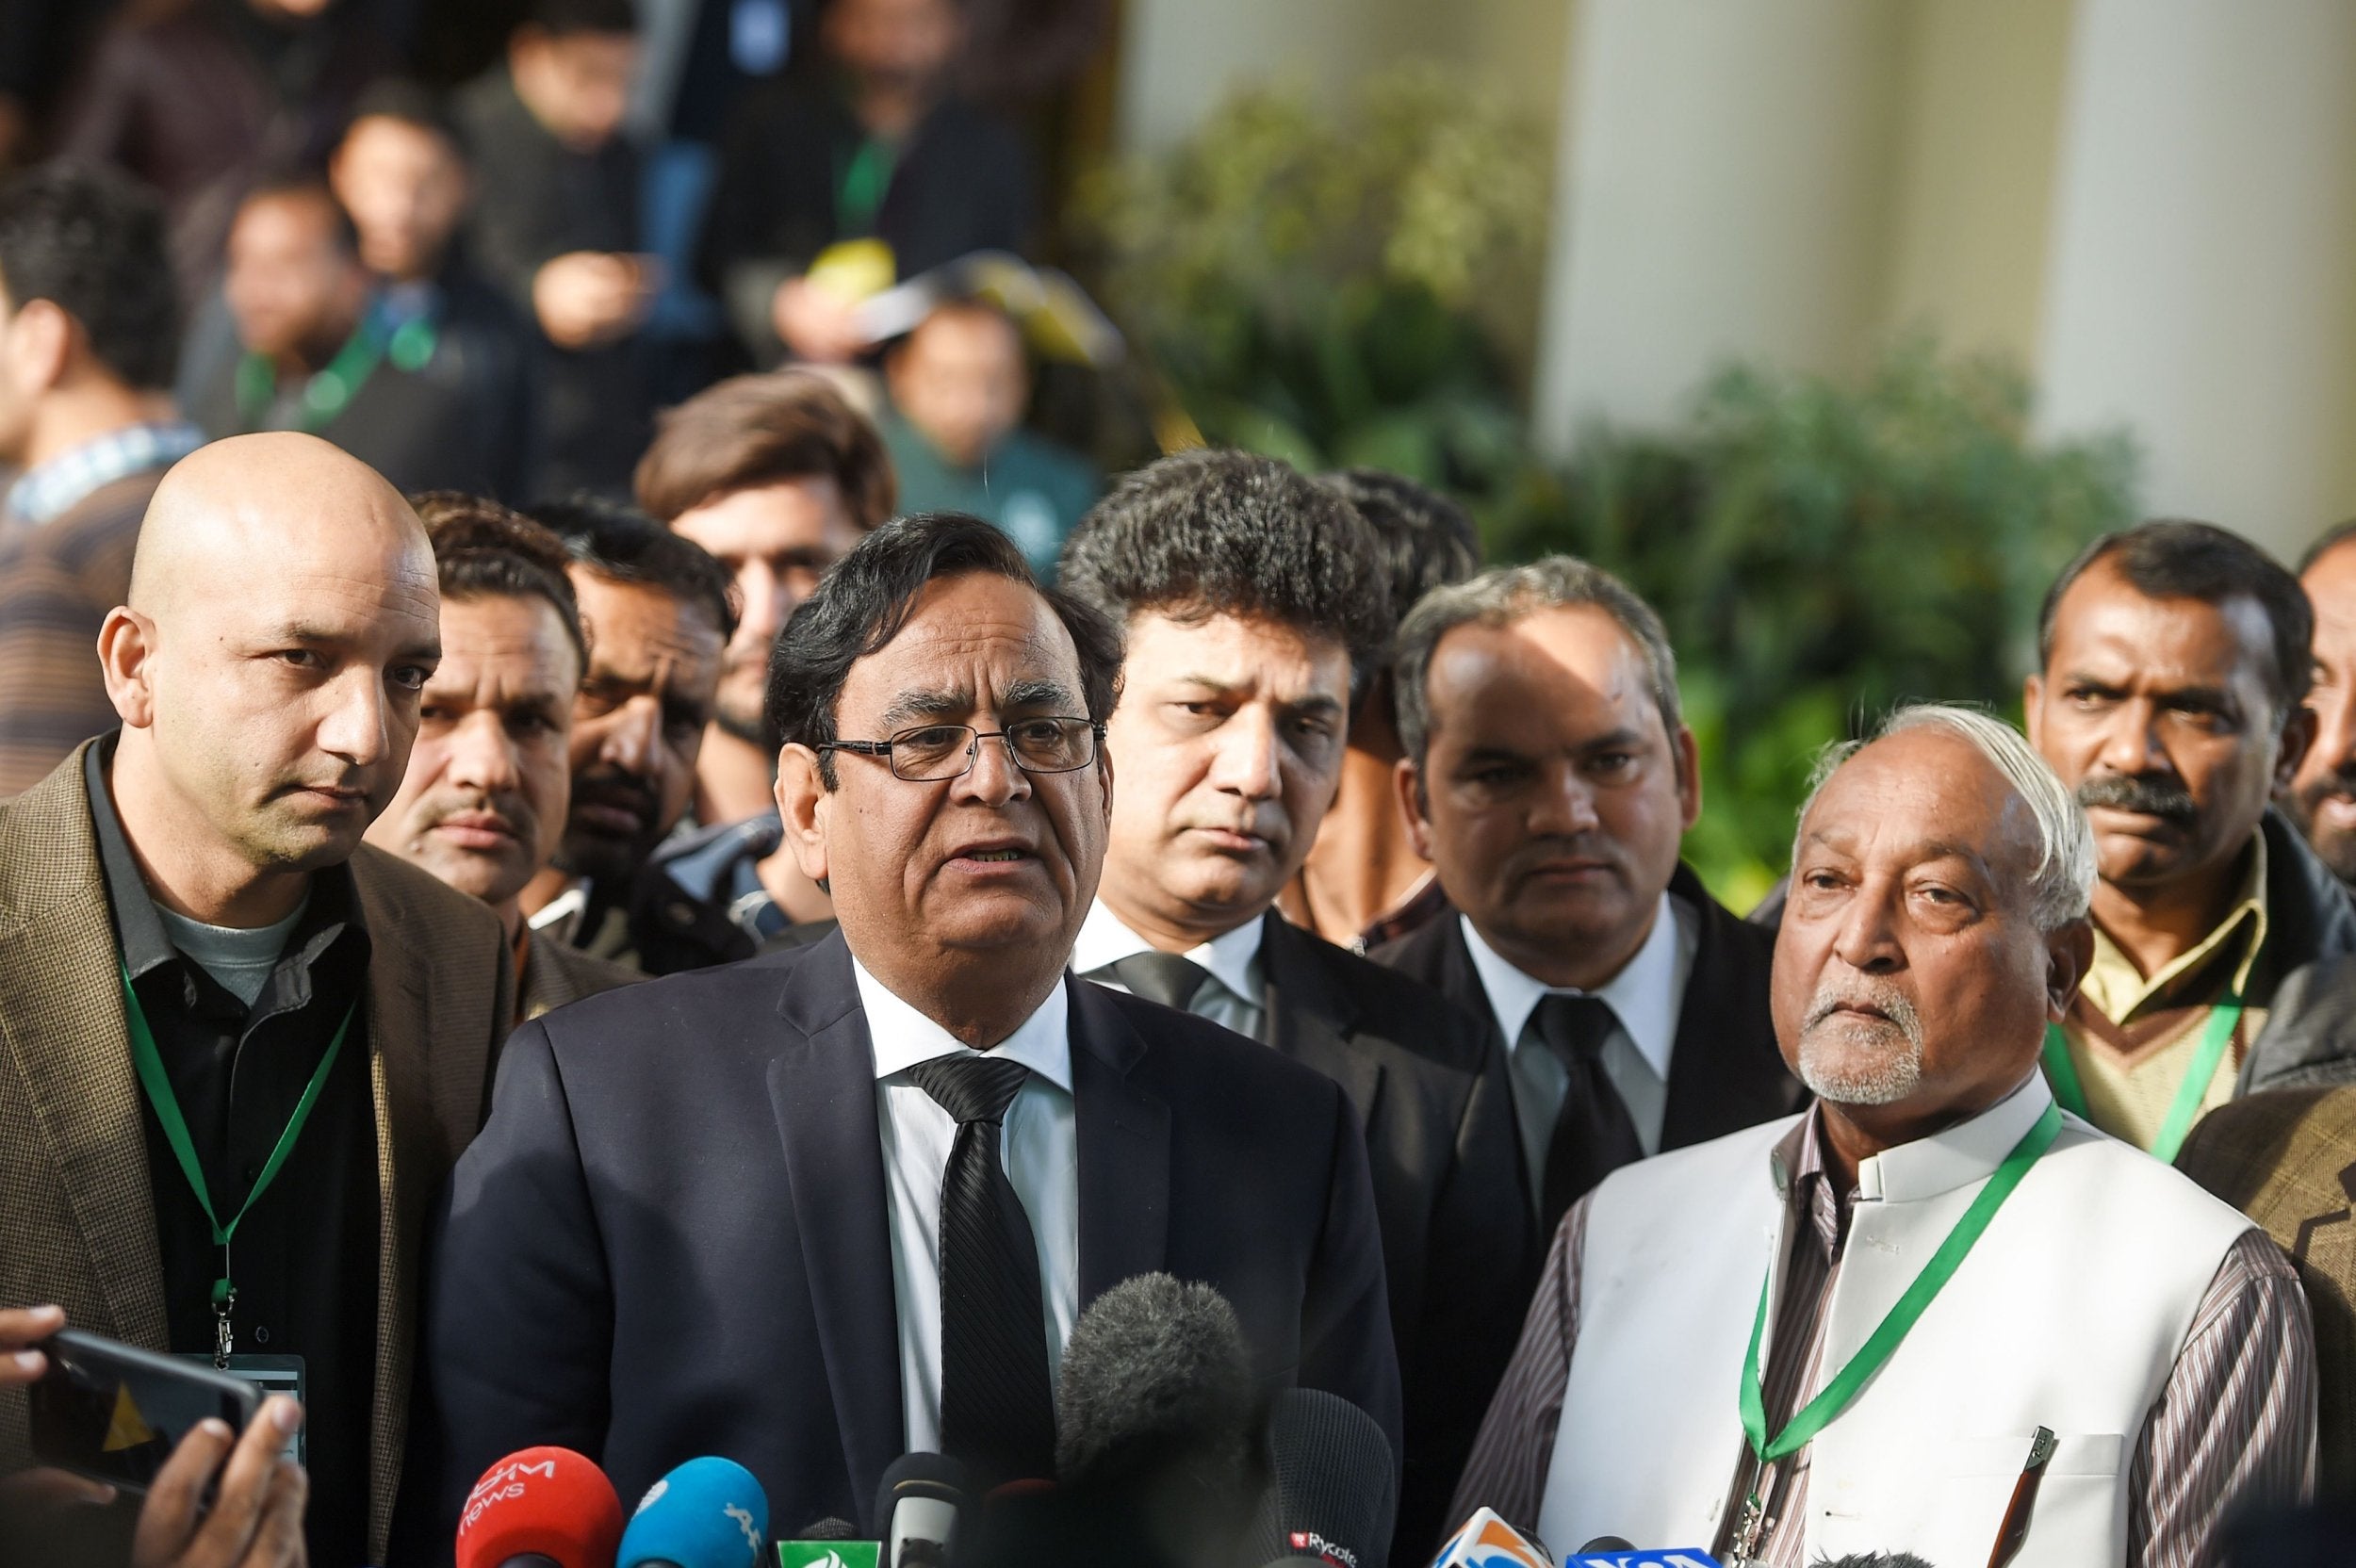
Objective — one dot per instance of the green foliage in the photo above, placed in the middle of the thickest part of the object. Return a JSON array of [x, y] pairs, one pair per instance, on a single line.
[[1821, 552], [1333, 290], [1348, 290]]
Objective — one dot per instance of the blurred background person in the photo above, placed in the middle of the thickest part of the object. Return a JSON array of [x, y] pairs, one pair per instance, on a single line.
[[1550, 778], [554, 222], [2321, 799], [1364, 884], [400, 173], [777, 476], [196, 97], [2175, 662], [89, 323], [656, 610], [484, 803], [960, 386], [881, 149], [323, 352]]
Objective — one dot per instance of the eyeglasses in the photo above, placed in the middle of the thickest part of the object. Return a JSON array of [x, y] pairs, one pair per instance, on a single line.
[[933, 752]]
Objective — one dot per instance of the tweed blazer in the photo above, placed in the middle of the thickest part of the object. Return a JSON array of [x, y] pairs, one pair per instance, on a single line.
[[557, 974], [74, 1171], [2287, 1159]]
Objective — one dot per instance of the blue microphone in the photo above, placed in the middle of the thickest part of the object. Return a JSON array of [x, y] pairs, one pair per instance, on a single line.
[[709, 1513], [1676, 1556]]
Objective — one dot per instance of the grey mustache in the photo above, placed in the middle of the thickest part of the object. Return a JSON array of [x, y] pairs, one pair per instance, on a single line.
[[1881, 996]]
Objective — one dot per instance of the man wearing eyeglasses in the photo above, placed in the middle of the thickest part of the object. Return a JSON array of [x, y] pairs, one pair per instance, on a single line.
[[845, 1201]]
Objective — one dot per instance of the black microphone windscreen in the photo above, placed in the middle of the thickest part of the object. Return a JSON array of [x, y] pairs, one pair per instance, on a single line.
[[1606, 1544], [1334, 1493], [1155, 1375], [830, 1529]]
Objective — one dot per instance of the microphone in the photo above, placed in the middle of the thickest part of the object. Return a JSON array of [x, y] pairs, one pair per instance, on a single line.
[[829, 1543], [1621, 1555], [1606, 1544], [919, 1504], [709, 1513], [1333, 1495], [1485, 1541], [1156, 1398], [540, 1508]]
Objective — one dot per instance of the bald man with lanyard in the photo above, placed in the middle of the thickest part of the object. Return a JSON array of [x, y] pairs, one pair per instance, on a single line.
[[239, 1049]]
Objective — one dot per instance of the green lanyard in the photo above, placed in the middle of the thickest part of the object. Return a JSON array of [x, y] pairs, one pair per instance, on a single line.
[[1818, 1414], [862, 186], [2190, 1095], [329, 392], [149, 1067]]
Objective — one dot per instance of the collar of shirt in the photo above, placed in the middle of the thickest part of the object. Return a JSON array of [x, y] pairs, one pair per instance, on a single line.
[[1646, 996], [901, 1037], [2118, 991], [1953, 1157], [551, 916], [1233, 956], [333, 909], [64, 481]]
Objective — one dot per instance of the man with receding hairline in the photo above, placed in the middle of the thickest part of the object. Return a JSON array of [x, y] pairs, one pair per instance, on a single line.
[[200, 962]]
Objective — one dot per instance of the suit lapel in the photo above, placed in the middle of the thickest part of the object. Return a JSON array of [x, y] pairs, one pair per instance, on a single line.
[[1725, 1071], [419, 1089], [1310, 1015], [822, 1087], [1123, 1135], [61, 1023]]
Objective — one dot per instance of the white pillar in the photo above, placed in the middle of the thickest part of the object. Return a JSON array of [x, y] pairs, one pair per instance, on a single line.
[[1725, 181], [2200, 291]]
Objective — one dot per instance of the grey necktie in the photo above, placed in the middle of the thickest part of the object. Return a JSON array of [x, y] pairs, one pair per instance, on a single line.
[[1163, 977]]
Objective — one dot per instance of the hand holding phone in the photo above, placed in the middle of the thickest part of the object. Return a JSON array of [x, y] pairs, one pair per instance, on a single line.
[[255, 1519]]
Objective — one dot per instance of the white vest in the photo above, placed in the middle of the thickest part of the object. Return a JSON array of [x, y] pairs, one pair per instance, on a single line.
[[2068, 1314]]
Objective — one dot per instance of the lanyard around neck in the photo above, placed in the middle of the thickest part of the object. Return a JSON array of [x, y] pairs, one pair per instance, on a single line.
[[2062, 1072], [1859, 1370], [149, 1064], [326, 394]]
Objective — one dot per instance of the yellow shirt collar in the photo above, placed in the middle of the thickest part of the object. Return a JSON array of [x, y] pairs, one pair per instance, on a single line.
[[2118, 990]]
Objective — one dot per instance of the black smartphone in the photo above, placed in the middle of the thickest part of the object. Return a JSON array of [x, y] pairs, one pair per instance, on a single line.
[[115, 1412]]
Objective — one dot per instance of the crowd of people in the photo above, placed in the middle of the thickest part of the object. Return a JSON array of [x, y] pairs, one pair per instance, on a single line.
[[735, 960]]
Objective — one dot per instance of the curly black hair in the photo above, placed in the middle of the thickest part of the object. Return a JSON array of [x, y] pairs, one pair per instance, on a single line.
[[1211, 532]]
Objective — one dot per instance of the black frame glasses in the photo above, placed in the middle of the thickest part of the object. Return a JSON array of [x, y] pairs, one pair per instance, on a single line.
[[909, 748]]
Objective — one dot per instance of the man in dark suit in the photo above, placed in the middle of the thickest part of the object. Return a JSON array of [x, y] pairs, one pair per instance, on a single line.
[[195, 946], [823, 1207], [1549, 778], [1253, 603]]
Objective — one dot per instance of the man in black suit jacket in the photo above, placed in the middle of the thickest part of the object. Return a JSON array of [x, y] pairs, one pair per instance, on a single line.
[[1549, 777], [1253, 603], [834, 1203]]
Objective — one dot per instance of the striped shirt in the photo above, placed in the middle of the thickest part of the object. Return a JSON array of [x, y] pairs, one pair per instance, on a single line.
[[2235, 1425]]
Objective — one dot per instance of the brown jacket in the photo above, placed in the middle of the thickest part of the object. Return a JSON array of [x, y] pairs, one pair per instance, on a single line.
[[557, 974], [79, 1214], [2287, 1159]]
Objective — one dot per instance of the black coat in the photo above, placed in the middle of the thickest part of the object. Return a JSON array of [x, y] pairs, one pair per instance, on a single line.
[[1431, 1094], [672, 1237], [1725, 1072]]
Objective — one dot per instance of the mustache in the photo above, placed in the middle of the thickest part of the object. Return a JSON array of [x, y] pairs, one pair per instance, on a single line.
[[2166, 798], [1537, 852], [610, 786], [1864, 990], [2341, 780]]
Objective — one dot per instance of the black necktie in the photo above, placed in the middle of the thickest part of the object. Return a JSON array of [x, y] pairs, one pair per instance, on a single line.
[[1593, 1134], [1163, 977], [996, 1413]]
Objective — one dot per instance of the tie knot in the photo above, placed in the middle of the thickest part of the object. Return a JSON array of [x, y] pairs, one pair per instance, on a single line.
[[1575, 1027], [972, 1087], [1163, 977]]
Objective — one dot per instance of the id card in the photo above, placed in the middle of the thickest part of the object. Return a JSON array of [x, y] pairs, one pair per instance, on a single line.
[[269, 1375]]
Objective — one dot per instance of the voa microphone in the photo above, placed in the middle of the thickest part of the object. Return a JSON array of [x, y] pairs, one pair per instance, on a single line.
[[709, 1513]]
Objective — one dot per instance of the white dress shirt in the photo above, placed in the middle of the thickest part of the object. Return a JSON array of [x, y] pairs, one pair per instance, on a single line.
[[1646, 997], [1039, 1147], [1231, 996]]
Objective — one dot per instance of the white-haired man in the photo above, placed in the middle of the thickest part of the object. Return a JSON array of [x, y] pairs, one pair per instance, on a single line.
[[1856, 1330]]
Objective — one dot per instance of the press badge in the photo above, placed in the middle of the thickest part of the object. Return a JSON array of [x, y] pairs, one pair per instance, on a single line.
[[269, 1375]]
